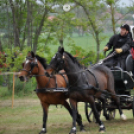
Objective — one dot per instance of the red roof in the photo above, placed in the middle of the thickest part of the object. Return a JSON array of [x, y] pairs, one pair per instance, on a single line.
[[51, 17]]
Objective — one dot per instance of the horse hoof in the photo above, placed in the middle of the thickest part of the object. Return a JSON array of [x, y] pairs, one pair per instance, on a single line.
[[82, 129], [42, 132], [73, 131], [102, 130], [123, 117]]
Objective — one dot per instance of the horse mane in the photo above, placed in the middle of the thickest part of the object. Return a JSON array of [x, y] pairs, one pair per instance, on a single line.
[[42, 61], [75, 60]]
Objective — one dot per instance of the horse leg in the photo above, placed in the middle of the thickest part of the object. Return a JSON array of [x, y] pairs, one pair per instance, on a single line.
[[104, 108], [45, 107], [96, 115], [111, 88], [117, 102], [78, 119], [73, 104]]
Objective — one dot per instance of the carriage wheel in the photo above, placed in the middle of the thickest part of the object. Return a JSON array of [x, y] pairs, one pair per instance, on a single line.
[[133, 106], [89, 113]]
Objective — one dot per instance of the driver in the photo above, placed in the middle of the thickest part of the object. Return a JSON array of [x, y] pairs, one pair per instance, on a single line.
[[121, 44]]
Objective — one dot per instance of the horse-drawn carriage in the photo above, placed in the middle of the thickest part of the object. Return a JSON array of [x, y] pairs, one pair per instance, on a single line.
[[124, 85], [57, 88]]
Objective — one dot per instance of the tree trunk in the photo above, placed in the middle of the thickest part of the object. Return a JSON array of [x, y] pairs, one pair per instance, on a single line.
[[98, 46], [15, 27], [113, 19], [1, 46], [8, 28], [38, 30], [29, 15]]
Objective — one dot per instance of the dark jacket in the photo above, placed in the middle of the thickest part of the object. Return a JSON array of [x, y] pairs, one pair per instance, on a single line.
[[124, 42]]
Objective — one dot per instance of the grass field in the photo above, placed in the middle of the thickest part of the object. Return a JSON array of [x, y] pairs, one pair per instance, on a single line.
[[26, 118], [87, 42]]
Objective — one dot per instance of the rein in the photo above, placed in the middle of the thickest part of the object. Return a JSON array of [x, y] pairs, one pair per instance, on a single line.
[[110, 56]]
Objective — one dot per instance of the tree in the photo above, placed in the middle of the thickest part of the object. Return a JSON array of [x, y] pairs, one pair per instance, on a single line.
[[40, 25], [93, 10], [28, 20], [113, 8], [29, 23], [112, 4], [15, 25]]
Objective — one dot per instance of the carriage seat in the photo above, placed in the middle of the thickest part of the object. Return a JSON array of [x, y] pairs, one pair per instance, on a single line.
[[129, 63]]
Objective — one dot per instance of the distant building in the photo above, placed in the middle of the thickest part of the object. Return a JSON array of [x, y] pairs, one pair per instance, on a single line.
[[51, 18]]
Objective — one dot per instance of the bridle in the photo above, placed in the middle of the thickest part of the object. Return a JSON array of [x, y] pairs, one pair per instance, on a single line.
[[60, 63], [33, 64]]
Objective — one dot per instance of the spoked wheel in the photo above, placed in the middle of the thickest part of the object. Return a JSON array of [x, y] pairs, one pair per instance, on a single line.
[[133, 106], [89, 113]]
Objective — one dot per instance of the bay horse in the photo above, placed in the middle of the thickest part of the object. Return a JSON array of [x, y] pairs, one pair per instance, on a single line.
[[35, 65], [83, 83]]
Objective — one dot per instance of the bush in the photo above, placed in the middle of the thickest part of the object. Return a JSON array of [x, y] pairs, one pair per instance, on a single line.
[[4, 92], [24, 88], [1, 80], [21, 88]]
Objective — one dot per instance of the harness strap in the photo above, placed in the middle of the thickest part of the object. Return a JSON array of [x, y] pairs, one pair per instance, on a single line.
[[65, 80], [48, 82], [51, 90], [97, 84], [56, 82]]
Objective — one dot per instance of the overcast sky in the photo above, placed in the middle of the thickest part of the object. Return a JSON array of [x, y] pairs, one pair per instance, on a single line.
[[127, 2], [122, 2]]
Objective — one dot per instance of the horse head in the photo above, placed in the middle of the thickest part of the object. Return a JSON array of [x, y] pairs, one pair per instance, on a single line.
[[64, 60], [57, 62], [30, 67]]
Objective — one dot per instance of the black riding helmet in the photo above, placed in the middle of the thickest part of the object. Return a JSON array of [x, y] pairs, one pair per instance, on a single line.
[[126, 26]]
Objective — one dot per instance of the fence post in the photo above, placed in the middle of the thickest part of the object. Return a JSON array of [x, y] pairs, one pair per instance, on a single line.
[[13, 90]]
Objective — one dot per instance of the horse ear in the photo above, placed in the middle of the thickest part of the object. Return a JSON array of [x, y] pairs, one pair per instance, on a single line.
[[32, 54], [61, 49]]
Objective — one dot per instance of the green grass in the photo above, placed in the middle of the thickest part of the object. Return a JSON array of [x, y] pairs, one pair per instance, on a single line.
[[26, 118], [87, 42], [6, 94]]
